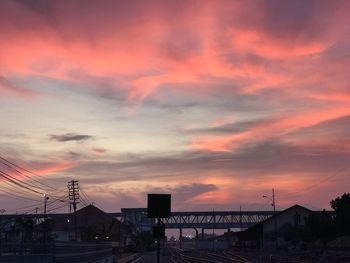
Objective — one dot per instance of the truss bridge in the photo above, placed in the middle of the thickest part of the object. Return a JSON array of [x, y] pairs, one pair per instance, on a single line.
[[216, 219]]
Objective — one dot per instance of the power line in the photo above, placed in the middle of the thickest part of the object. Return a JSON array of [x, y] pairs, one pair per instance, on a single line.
[[18, 182], [14, 196], [56, 208], [9, 187], [24, 175], [85, 196], [24, 207], [26, 170]]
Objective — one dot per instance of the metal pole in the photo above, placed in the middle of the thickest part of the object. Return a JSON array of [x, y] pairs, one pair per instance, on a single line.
[[45, 199], [158, 242], [75, 226], [213, 230], [274, 215]]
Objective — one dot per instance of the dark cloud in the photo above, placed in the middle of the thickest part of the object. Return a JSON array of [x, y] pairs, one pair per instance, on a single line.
[[265, 159], [229, 128], [184, 192], [292, 19], [181, 194], [69, 137], [329, 131], [78, 19]]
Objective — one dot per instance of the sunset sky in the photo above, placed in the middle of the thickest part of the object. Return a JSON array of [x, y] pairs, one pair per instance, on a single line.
[[215, 102]]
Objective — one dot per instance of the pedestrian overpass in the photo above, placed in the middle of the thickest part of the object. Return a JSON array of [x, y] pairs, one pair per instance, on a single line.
[[195, 220], [216, 219]]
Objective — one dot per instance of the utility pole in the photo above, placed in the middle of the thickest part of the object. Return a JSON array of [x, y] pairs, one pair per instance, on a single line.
[[45, 203], [274, 214], [73, 191]]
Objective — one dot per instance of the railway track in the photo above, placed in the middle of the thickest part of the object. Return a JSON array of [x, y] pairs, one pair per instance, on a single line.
[[189, 256]]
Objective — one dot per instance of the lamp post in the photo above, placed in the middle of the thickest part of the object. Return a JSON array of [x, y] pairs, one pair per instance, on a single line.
[[274, 213], [45, 202]]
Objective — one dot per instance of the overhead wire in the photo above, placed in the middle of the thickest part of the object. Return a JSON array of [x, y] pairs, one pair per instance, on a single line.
[[85, 196], [28, 188], [14, 196], [23, 187], [23, 208], [16, 168], [19, 182], [56, 208], [20, 191], [25, 170], [26, 183]]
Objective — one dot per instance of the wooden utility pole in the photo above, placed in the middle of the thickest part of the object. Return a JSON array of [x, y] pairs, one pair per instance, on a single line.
[[73, 191]]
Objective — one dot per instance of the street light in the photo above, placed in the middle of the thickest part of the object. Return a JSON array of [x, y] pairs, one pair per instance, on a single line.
[[274, 212], [45, 202]]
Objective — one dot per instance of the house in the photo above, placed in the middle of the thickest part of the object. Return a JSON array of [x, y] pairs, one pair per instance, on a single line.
[[88, 224], [285, 225]]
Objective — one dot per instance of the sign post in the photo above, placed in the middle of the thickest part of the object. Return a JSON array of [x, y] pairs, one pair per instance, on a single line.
[[159, 206]]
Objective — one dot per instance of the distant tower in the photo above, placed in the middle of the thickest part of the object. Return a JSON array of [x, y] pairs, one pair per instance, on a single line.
[[73, 192]]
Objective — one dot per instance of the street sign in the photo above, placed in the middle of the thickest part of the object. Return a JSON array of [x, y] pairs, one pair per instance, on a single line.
[[159, 206]]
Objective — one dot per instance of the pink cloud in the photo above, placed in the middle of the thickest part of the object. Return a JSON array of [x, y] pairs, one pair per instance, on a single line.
[[267, 130], [157, 48], [55, 168]]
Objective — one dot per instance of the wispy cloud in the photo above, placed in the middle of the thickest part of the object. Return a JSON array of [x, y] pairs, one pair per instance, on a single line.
[[70, 137], [8, 88], [239, 96]]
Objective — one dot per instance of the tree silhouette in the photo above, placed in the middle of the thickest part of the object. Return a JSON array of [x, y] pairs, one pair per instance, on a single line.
[[341, 206], [319, 226]]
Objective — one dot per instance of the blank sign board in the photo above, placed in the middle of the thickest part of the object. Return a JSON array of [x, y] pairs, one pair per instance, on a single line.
[[159, 205]]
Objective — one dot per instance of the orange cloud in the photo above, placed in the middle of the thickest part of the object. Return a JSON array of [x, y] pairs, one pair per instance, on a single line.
[[55, 168]]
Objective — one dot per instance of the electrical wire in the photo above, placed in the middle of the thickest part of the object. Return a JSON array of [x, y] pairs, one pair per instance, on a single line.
[[14, 166], [56, 208], [14, 196], [20, 191], [18, 182], [21, 208], [85, 196]]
